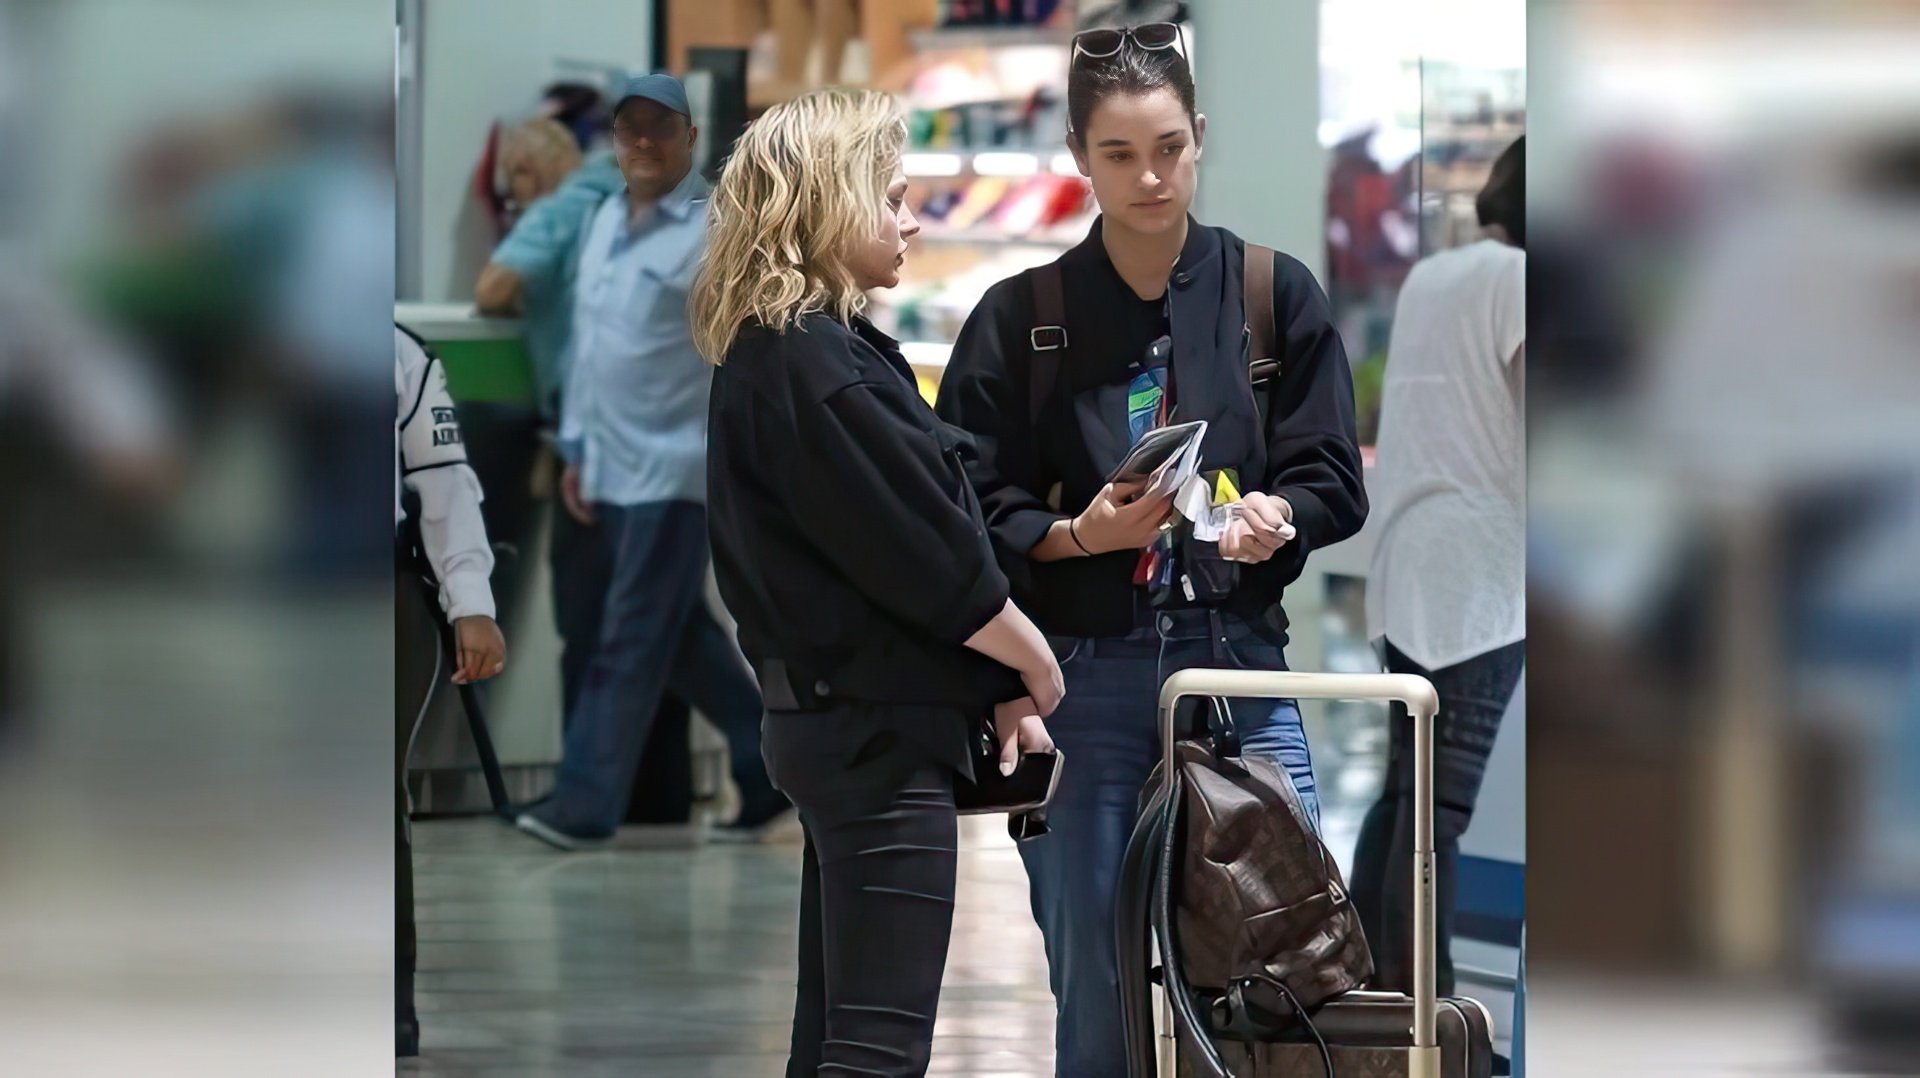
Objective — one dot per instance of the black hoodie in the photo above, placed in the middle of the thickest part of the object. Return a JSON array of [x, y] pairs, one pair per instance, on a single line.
[[1308, 453]]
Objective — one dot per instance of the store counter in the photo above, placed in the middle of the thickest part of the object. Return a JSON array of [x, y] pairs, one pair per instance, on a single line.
[[485, 358]]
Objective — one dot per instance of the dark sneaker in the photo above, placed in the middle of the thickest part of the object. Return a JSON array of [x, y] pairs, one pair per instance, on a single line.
[[555, 837]]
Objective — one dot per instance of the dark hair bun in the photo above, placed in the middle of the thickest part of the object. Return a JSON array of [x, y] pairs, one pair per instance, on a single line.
[[1503, 201]]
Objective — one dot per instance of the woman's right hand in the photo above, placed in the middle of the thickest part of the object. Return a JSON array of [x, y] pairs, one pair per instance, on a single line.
[[1020, 730], [1046, 685], [1012, 640], [1119, 519]]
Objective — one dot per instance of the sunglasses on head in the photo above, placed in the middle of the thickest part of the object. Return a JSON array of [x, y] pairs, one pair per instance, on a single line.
[[1102, 43]]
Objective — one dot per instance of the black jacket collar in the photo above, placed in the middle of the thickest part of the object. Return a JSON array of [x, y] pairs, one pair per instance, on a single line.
[[888, 348], [1200, 254]]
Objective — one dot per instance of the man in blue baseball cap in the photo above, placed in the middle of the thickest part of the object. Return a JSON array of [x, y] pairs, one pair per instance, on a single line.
[[633, 430], [653, 134]]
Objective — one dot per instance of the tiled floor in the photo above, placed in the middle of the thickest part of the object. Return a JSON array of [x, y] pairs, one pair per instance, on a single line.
[[677, 963]]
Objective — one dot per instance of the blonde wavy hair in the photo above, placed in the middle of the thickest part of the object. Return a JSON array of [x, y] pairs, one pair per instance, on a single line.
[[544, 146], [807, 183]]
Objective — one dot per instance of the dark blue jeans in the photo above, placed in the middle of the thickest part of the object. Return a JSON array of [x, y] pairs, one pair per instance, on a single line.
[[1108, 729], [582, 564], [1473, 697], [655, 634]]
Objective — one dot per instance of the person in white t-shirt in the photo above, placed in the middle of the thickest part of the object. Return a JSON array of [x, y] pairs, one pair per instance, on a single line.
[[1446, 594]]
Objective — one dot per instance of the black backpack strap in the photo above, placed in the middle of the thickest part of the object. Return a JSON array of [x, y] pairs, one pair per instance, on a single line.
[[1048, 337]]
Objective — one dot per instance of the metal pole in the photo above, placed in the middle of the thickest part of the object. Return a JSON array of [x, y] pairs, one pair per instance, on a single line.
[[1425, 1060], [1169, 1045], [409, 130]]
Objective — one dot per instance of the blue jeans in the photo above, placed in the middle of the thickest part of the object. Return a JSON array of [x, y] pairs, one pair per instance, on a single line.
[[1108, 729], [656, 634]]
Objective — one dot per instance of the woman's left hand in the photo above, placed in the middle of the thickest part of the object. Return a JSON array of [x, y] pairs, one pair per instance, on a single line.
[[1263, 526], [1018, 725]]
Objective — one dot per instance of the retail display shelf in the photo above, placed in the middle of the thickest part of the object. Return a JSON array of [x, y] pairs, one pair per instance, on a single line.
[[928, 355], [988, 37], [996, 239], [931, 163]]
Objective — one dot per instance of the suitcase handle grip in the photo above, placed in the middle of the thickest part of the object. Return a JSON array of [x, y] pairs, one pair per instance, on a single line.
[[1422, 704], [1410, 689]]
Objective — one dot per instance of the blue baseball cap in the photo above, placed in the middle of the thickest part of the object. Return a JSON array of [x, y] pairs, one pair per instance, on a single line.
[[658, 88]]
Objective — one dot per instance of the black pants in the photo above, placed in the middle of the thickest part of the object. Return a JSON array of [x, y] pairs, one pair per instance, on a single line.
[[1473, 697], [414, 671], [876, 912]]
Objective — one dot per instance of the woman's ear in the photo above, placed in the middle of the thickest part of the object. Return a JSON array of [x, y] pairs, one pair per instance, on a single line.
[[1199, 135], [1079, 154]]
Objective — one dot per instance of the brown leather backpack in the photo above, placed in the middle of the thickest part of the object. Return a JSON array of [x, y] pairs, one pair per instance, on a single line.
[[1241, 892]]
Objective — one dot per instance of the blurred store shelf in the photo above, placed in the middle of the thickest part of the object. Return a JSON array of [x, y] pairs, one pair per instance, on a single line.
[[988, 37], [996, 239], [927, 355], [932, 164]]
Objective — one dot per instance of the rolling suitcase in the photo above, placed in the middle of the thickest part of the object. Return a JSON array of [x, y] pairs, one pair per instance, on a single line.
[[1358, 1034]]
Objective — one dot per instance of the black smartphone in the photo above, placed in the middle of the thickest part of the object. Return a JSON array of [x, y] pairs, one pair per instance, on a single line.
[[1030, 787]]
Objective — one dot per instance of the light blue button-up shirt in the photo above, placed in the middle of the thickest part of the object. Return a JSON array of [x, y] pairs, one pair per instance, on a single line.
[[544, 250], [634, 412]]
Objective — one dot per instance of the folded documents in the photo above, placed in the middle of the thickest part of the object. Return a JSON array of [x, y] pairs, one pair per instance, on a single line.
[[1192, 503], [1164, 459]]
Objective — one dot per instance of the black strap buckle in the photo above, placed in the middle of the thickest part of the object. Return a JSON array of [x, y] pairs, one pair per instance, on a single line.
[[1047, 338]]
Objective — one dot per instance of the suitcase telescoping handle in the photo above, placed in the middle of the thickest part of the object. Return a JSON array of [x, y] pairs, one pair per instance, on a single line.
[[1422, 704]]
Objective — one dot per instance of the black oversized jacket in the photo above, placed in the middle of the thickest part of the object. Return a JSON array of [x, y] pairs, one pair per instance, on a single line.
[[1308, 453], [846, 540]]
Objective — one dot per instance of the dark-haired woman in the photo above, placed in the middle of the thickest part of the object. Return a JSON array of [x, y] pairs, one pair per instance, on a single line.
[[1446, 594], [1147, 327]]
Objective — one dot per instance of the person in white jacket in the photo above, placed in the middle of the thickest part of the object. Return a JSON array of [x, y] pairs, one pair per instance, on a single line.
[[431, 460]]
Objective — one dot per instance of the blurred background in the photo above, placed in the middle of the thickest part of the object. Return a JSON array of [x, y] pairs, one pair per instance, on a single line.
[[1724, 505], [196, 237]]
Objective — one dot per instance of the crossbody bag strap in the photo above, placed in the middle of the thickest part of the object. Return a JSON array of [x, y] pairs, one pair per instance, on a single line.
[[1258, 279]]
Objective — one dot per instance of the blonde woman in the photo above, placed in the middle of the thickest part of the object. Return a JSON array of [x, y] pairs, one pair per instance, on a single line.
[[849, 546], [535, 156]]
